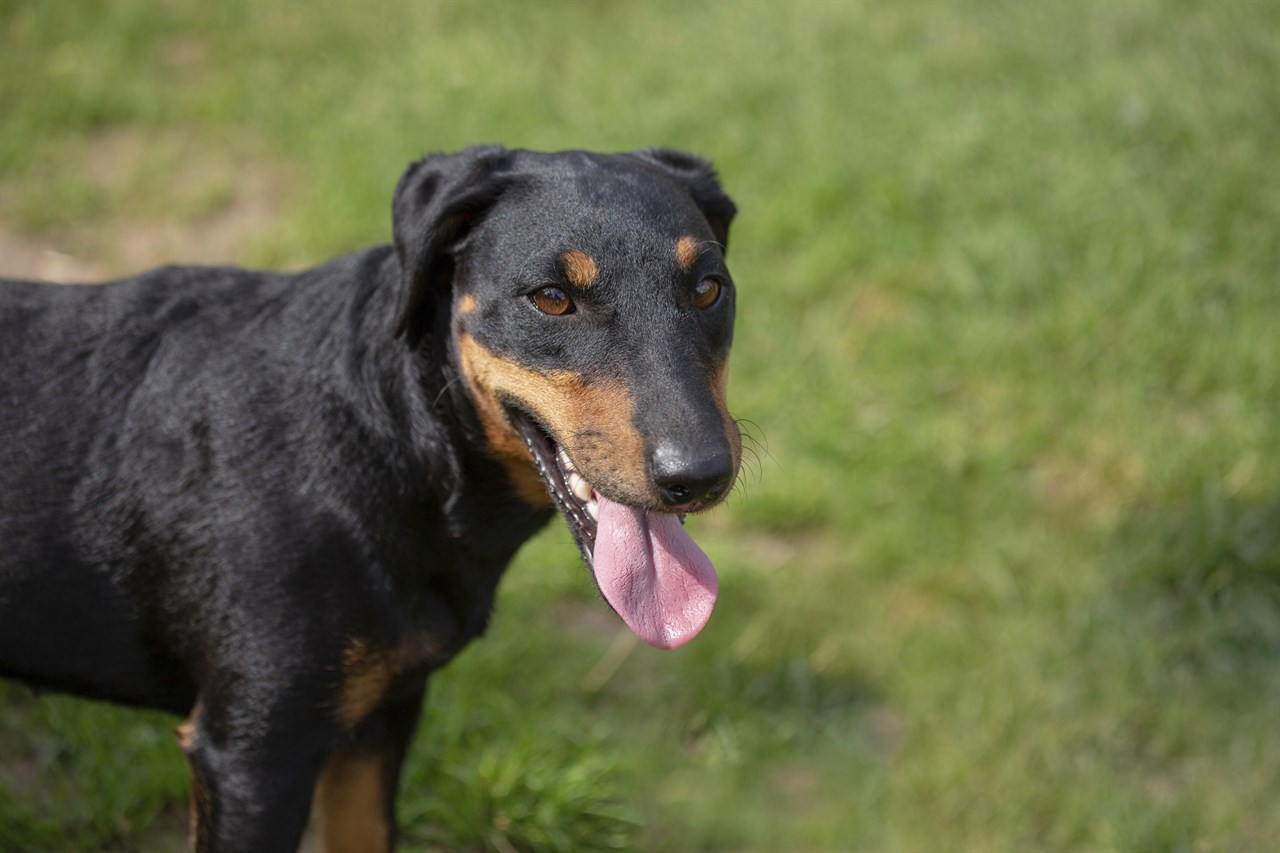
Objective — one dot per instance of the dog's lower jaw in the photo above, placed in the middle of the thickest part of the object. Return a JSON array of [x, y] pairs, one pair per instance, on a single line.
[[576, 499]]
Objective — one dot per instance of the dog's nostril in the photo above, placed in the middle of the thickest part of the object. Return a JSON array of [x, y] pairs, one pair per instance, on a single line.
[[677, 492], [684, 480]]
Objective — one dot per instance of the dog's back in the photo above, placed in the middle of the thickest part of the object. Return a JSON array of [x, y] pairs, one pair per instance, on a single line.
[[134, 415], [83, 364]]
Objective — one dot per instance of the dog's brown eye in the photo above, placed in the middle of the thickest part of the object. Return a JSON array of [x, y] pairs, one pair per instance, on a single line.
[[705, 293], [552, 300]]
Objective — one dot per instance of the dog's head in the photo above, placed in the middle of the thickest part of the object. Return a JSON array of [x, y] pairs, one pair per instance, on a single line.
[[591, 319]]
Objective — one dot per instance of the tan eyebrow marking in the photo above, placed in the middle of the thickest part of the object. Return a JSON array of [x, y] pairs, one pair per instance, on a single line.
[[466, 304], [686, 252], [580, 268]]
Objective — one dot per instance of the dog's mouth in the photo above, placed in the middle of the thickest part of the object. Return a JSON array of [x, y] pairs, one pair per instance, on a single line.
[[646, 566], [576, 499]]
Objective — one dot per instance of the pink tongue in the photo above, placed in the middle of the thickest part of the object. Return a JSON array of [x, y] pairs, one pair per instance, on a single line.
[[653, 574]]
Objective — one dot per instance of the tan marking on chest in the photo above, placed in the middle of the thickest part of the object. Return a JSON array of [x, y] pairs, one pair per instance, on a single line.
[[367, 673]]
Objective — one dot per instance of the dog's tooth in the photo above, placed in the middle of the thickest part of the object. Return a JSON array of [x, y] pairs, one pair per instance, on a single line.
[[593, 510], [565, 461], [581, 488]]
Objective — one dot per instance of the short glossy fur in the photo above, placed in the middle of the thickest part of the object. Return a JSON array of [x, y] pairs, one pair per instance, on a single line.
[[274, 504]]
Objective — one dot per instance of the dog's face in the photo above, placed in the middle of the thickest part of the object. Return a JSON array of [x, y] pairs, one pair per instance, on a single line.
[[591, 320]]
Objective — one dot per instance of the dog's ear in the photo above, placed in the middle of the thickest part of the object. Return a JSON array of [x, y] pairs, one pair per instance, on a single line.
[[704, 185], [437, 202]]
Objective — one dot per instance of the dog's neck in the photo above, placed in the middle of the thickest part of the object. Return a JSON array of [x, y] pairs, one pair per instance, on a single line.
[[422, 422]]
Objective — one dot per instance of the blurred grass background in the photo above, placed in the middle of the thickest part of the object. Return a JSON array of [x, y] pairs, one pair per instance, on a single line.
[[1007, 573]]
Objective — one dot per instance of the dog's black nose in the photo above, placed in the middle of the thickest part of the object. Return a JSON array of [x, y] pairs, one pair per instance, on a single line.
[[689, 479]]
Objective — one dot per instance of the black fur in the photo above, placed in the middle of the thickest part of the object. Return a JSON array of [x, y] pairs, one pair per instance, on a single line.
[[212, 480]]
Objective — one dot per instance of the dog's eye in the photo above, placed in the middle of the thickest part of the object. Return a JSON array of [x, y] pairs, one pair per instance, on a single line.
[[705, 293], [552, 300]]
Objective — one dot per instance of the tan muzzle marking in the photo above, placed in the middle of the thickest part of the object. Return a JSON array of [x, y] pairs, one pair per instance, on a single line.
[[592, 419]]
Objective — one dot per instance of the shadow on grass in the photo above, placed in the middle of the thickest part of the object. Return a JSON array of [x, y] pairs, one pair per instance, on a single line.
[[1192, 692], [769, 688], [1211, 562]]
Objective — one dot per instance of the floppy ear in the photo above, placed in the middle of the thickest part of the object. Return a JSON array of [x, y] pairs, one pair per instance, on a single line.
[[437, 202], [698, 175]]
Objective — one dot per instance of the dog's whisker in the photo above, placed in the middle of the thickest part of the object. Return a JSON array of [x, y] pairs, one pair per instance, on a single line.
[[452, 382]]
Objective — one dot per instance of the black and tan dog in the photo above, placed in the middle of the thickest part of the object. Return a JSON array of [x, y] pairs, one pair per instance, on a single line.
[[276, 503]]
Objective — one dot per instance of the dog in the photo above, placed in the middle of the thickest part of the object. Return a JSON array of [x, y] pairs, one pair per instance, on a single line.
[[274, 504]]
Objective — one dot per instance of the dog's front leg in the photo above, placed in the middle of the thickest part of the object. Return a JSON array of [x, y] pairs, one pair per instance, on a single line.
[[253, 770], [356, 794]]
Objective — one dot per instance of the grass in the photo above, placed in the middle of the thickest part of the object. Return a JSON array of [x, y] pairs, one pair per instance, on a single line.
[[1006, 574]]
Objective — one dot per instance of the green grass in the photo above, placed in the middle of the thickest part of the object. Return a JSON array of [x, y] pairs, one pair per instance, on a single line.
[[1007, 572]]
